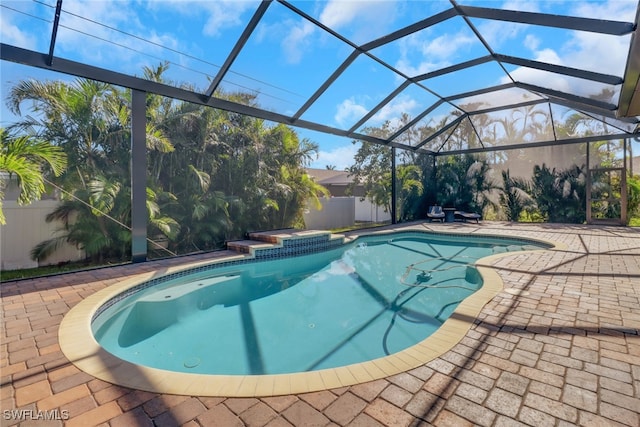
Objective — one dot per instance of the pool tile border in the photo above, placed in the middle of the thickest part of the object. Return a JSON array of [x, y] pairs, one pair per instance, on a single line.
[[80, 347]]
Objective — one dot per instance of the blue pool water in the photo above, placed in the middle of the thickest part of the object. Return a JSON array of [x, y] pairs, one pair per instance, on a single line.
[[368, 299]]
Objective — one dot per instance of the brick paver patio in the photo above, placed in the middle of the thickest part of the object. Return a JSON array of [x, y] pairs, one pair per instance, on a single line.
[[560, 346]]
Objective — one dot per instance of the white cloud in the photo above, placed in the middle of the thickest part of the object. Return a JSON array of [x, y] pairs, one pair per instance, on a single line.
[[497, 33], [584, 50], [531, 42], [360, 20], [615, 10], [586, 56], [522, 5], [447, 45], [404, 65], [341, 157], [86, 35], [597, 52], [11, 34], [87, 40], [393, 111], [82, 38], [431, 53], [548, 55], [220, 14], [337, 14], [349, 112], [296, 42], [224, 14], [540, 78]]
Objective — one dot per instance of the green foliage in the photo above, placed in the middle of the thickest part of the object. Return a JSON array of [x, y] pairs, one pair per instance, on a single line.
[[514, 197], [415, 176], [212, 175], [94, 220], [633, 199], [30, 159], [410, 190], [464, 182], [372, 170], [560, 196]]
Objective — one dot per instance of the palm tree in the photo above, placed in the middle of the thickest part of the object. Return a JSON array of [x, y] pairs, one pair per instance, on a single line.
[[410, 190], [514, 196], [83, 118], [95, 220], [212, 174], [560, 195], [372, 170], [464, 182], [28, 158]]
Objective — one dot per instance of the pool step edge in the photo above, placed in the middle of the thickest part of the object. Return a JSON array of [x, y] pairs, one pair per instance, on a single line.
[[273, 242]]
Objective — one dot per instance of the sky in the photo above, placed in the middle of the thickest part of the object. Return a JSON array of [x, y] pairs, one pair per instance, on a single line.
[[287, 59]]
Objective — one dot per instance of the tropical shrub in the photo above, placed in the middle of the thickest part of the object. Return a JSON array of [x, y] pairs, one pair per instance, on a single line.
[[514, 196], [464, 182], [560, 196], [30, 159], [212, 175], [633, 198]]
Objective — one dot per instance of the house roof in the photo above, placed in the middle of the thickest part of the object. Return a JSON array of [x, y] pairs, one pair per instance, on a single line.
[[330, 177]]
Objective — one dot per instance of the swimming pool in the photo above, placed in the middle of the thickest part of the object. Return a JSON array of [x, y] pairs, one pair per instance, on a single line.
[[368, 299], [340, 275]]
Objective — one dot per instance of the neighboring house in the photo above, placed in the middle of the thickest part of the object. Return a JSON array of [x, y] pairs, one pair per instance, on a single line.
[[337, 182]]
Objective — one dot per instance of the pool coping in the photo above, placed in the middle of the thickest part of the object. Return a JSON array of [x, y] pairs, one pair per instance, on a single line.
[[80, 347]]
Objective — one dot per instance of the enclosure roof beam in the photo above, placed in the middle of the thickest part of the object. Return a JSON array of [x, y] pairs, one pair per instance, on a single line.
[[253, 23], [560, 69], [416, 119], [629, 101], [456, 67], [54, 31], [567, 96], [508, 107], [441, 131], [410, 29], [357, 51], [601, 26], [534, 144], [61, 65], [591, 109], [480, 91], [378, 107], [345, 64]]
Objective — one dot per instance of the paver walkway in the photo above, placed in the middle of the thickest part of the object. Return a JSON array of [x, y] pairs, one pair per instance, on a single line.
[[560, 346]]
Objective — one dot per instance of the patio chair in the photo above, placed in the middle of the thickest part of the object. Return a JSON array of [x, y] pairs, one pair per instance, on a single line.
[[435, 212], [464, 216]]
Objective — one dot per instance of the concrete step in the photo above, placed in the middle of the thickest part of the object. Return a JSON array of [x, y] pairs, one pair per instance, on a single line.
[[285, 242]]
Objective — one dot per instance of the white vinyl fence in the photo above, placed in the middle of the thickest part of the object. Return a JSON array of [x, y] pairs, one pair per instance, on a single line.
[[338, 212], [25, 228]]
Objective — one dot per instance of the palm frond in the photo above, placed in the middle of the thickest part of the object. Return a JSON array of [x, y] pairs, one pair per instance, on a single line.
[[45, 249], [103, 194]]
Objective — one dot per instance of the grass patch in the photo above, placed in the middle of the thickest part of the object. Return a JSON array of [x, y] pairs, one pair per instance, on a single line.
[[360, 226], [48, 270]]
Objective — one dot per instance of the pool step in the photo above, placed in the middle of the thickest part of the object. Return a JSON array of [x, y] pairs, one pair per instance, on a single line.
[[287, 242]]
